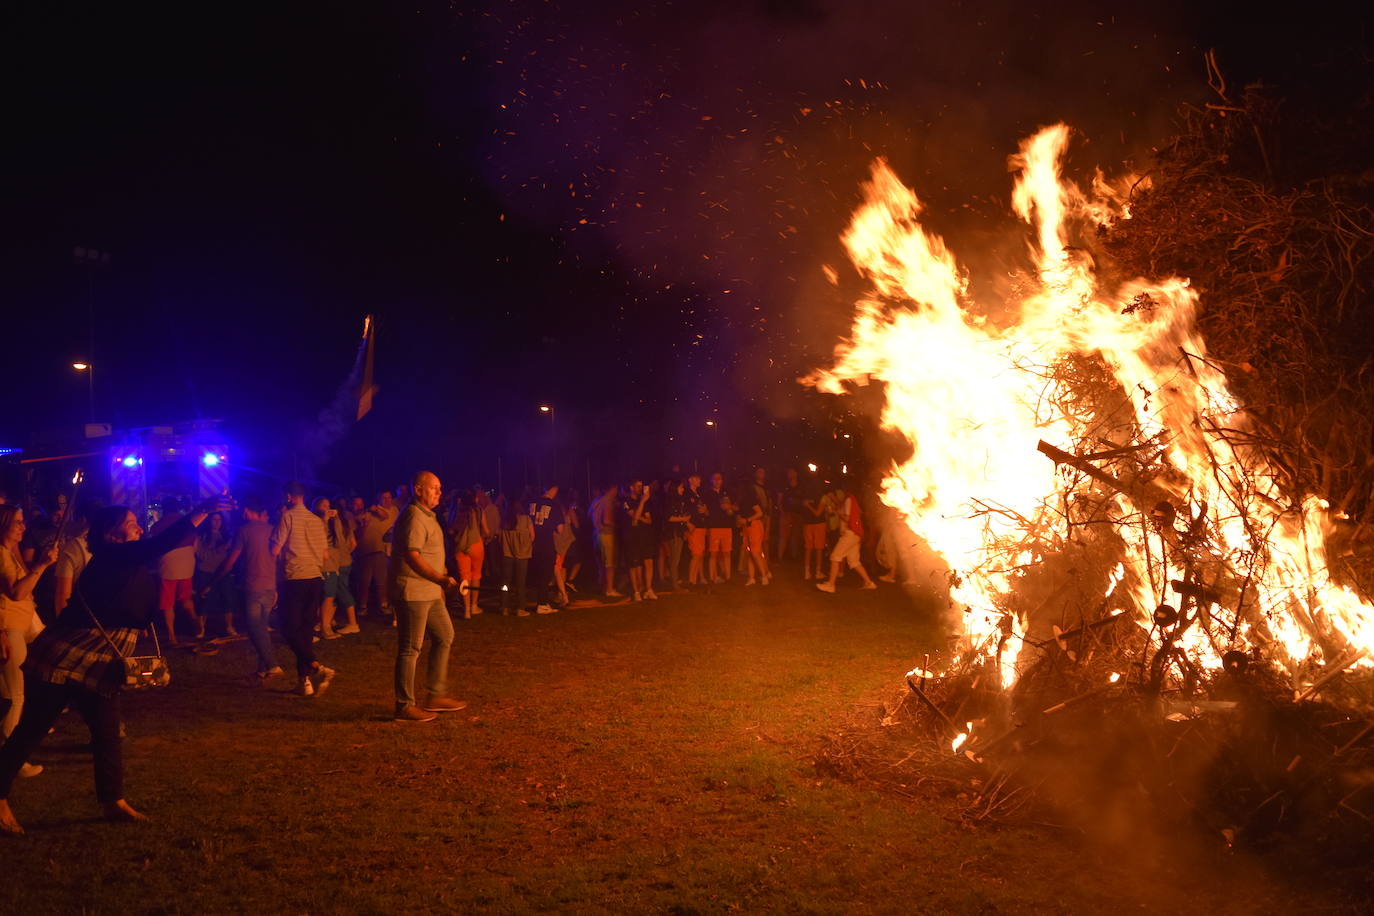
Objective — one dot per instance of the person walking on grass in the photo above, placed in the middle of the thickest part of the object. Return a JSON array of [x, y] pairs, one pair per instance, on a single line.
[[564, 543], [299, 542], [419, 581], [251, 554], [77, 661], [214, 593], [847, 547], [176, 569], [338, 556], [547, 516]]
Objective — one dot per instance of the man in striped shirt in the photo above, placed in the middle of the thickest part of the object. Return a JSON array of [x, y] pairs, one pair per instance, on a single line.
[[300, 542]]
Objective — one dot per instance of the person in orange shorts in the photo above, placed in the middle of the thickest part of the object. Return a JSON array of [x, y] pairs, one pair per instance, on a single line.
[[720, 520], [469, 531], [752, 512]]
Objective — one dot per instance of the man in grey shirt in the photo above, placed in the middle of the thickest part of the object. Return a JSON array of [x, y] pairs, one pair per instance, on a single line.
[[251, 554], [419, 578]]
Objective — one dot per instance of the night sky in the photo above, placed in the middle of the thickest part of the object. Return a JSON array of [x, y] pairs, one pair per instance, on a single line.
[[621, 210]]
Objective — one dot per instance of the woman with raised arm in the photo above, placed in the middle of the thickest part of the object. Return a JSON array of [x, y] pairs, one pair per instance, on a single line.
[[73, 664]]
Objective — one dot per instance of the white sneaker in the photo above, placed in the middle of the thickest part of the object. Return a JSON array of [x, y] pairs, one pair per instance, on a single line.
[[545, 609], [320, 679], [825, 587], [349, 630], [651, 595], [30, 769], [869, 586], [305, 688], [615, 594]]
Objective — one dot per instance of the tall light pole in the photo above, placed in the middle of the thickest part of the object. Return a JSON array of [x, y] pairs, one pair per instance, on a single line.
[[90, 383], [713, 426], [90, 260], [553, 438]]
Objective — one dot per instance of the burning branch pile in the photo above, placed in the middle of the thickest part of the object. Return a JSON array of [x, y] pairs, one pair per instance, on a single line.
[[1137, 561]]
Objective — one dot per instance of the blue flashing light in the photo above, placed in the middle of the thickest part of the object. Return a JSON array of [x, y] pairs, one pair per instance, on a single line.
[[211, 459], [131, 461]]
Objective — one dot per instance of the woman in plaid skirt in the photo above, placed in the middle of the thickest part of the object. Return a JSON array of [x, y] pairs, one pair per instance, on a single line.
[[72, 664]]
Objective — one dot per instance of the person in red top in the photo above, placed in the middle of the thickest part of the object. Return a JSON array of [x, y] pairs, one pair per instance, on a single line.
[[847, 547]]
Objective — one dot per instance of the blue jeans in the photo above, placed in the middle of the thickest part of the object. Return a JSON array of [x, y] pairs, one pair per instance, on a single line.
[[336, 587], [256, 607], [343, 597], [412, 619]]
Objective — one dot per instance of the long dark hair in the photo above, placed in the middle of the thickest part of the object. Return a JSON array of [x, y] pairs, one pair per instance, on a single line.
[[207, 535], [104, 521], [8, 512], [463, 512], [510, 514]]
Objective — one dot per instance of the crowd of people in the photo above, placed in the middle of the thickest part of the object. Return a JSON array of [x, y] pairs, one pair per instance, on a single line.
[[78, 587]]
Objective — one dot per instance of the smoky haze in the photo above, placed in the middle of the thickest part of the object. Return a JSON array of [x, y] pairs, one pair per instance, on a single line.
[[712, 153]]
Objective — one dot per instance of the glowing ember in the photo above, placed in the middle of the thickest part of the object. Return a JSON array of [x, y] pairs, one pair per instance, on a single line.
[[974, 398]]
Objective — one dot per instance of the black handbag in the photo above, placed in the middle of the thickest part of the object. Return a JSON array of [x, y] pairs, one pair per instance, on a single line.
[[140, 671]]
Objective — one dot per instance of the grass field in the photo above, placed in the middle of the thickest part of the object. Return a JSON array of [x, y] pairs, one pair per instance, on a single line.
[[635, 758]]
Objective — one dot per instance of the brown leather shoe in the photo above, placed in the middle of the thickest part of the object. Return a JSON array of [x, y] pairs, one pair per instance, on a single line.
[[414, 714], [444, 704]]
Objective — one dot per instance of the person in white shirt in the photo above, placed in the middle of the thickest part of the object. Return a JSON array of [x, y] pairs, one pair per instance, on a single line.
[[847, 547], [299, 542]]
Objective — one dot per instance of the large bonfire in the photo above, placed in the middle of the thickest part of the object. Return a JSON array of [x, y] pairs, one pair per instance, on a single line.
[[1142, 611], [1089, 440]]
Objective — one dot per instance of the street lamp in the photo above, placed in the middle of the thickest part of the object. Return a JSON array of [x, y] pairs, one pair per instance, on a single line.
[[553, 435], [90, 383]]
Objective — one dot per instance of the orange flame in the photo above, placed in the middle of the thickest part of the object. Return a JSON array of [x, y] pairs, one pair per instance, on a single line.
[[973, 399]]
